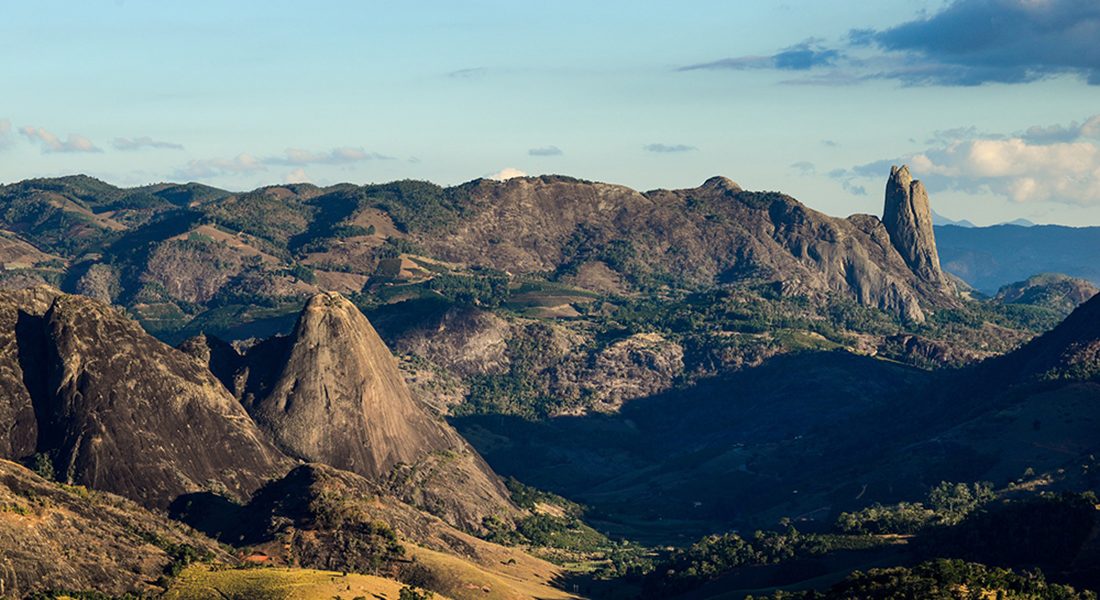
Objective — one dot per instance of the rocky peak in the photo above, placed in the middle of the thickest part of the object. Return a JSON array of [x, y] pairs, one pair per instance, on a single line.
[[720, 183], [908, 219], [340, 399], [332, 393]]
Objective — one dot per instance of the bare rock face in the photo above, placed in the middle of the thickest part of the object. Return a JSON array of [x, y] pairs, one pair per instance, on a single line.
[[467, 341], [908, 219], [340, 399], [332, 393], [117, 410], [20, 311], [640, 365]]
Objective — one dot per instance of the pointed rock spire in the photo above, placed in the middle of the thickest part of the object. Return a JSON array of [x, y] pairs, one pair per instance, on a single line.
[[908, 219], [332, 393], [340, 398]]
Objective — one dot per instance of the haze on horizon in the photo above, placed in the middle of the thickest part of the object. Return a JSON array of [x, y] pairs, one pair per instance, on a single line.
[[993, 103]]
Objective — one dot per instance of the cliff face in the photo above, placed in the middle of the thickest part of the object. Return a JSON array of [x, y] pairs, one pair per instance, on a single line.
[[908, 218], [117, 410], [331, 392]]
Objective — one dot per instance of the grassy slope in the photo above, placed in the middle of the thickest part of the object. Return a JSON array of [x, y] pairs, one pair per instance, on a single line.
[[462, 579], [201, 583]]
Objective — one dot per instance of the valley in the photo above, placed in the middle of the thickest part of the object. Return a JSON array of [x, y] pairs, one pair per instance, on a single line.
[[538, 388]]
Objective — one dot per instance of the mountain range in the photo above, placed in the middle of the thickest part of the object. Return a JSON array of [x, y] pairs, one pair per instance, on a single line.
[[542, 387]]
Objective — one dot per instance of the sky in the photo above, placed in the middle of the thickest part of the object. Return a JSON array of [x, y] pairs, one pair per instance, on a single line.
[[995, 104]]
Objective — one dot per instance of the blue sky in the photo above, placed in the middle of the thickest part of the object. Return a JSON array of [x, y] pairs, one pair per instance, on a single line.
[[989, 100]]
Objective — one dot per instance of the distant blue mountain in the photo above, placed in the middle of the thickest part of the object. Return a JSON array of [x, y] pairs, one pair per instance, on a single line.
[[990, 257], [938, 219]]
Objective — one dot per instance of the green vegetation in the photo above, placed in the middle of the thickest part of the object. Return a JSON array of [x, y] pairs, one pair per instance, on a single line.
[[525, 389], [181, 556], [586, 244], [941, 580], [553, 522], [411, 593], [266, 216], [948, 504], [42, 464], [1046, 531], [718, 555], [488, 289], [416, 206], [904, 518]]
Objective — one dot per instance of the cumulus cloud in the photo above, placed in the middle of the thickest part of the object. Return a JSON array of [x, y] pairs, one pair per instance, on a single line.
[[506, 174], [214, 167], [668, 148], [1057, 163], [545, 151], [968, 42], [138, 143], [51, 143], [336, 156], [1067, 172], [296, 176]]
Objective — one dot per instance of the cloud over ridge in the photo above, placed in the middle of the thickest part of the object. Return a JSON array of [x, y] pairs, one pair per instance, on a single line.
[[50, 142]]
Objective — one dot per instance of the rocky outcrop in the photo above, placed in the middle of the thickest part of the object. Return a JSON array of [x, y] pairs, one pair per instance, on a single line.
[[115, 409], [1055, 291], [640, 365], [466, 341], [908, 219], [339, 398], [926, 353], [331, 392]]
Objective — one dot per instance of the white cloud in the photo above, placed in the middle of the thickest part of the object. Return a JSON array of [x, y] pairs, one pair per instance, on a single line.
[[52, 143], [336, 156], [1055, 164], [1067, 172], [144, 142], [506, 174], [213, 167], [296, 176]]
